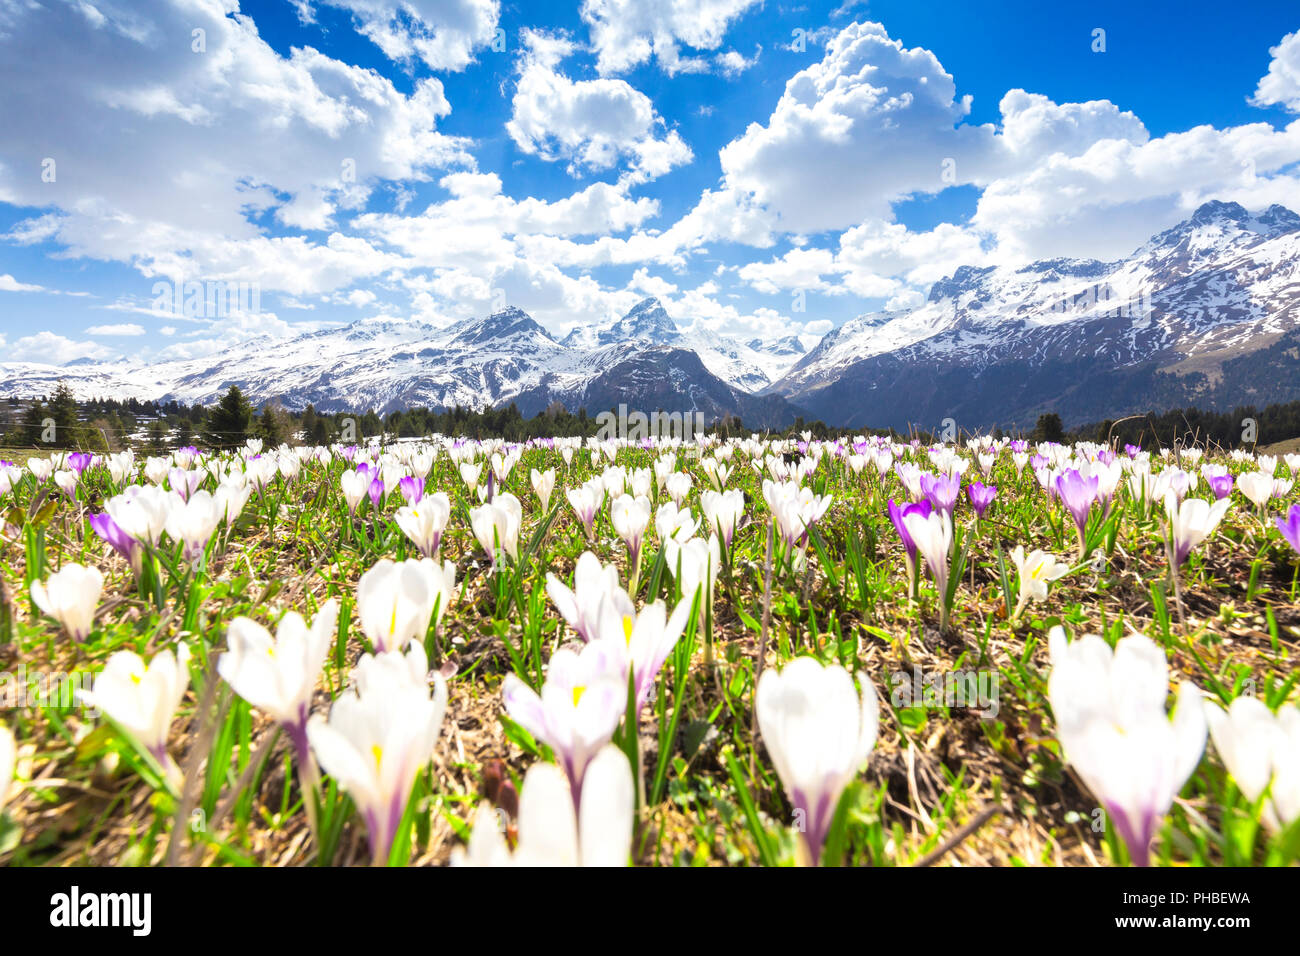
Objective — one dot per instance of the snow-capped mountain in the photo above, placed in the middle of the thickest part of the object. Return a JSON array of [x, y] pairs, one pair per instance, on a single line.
[[1205, 313], [389, 363]]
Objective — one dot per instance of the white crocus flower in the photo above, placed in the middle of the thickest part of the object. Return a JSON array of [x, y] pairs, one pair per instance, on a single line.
[[425, 521], [355, 486], [586, 500], [141, 511], [699, 562], [379, 737], [818, 730], [1261, 749], [673, 522], [8, 758], [630, 517], [496, 525], [1109, 708], [1192, 522], [279, 675], [1036, 570], [582, 700], [722, 512], [193, 522], [550, 832], [1257, 486], [395, 601], [543, 484], [580, 606], [142, 700], [678, 486], [71, 596]]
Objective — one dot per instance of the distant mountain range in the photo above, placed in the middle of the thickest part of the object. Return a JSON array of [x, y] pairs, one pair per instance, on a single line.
[[1206, 313]]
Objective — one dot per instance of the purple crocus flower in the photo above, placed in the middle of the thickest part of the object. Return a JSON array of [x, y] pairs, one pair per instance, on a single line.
[[376, 491], [349, 452], [79, 461], [1221, 485], [412, 489], [1290, 527], [941, 491], [981, 496], [1039, 462], [897, 513], [1132, 450], [1105, 456], [121, 542], [1077, 493]]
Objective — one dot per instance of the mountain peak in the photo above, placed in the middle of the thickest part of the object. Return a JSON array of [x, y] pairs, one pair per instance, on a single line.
[[501, 324], [1218, 211], [644, 322]]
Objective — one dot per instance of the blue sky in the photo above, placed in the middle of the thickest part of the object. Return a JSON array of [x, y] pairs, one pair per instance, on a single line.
[[762, 167]]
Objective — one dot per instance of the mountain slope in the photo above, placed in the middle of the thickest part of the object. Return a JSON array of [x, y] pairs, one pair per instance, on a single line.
[[1087, 339]]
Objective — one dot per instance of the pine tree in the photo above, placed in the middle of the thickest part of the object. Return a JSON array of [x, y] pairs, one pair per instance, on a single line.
[[227, 425], [63, 409]]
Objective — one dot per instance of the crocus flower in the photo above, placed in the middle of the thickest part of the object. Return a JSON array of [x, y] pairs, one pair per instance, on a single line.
[[412, 489], [8, 758], [1110, 717], [1290, 527], [818, 731], [932, 535], [543, 483], [379, 737], [582, 700], [981, 496], [376, 491], [678, 486], [117, 539], [580, 606], [897, 515], [1077, 493], [1035, 571], [395, 601], [183, 482], [1257, 487], [193, 522], [639, 642], [143, 699], [141, 511], [941, 491], [699, 563], [586, 501], [79, 461], [1221, 485], [355, 483], [496, 526], [279, 675], [630, 517], [551, 833], [424, 521], [674, 522], [723, 511], [1262, 751], [71, 596], [1191, 523]]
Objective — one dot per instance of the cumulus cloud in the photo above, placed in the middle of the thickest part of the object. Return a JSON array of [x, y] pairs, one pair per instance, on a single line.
[[1280, 86], [48, 348], [591, 124], [444, 34], [218, 136], [627, 33]]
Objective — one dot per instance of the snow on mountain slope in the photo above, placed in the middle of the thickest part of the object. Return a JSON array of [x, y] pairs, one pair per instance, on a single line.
[[1222, 283]]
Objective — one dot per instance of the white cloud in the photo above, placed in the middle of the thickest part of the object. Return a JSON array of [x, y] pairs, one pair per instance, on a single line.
[[732, 64], [627, 33], [216, 137], [1281, 85], [122, 329], [9, 284], [444, 34], [591, 124], [47, 348]]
